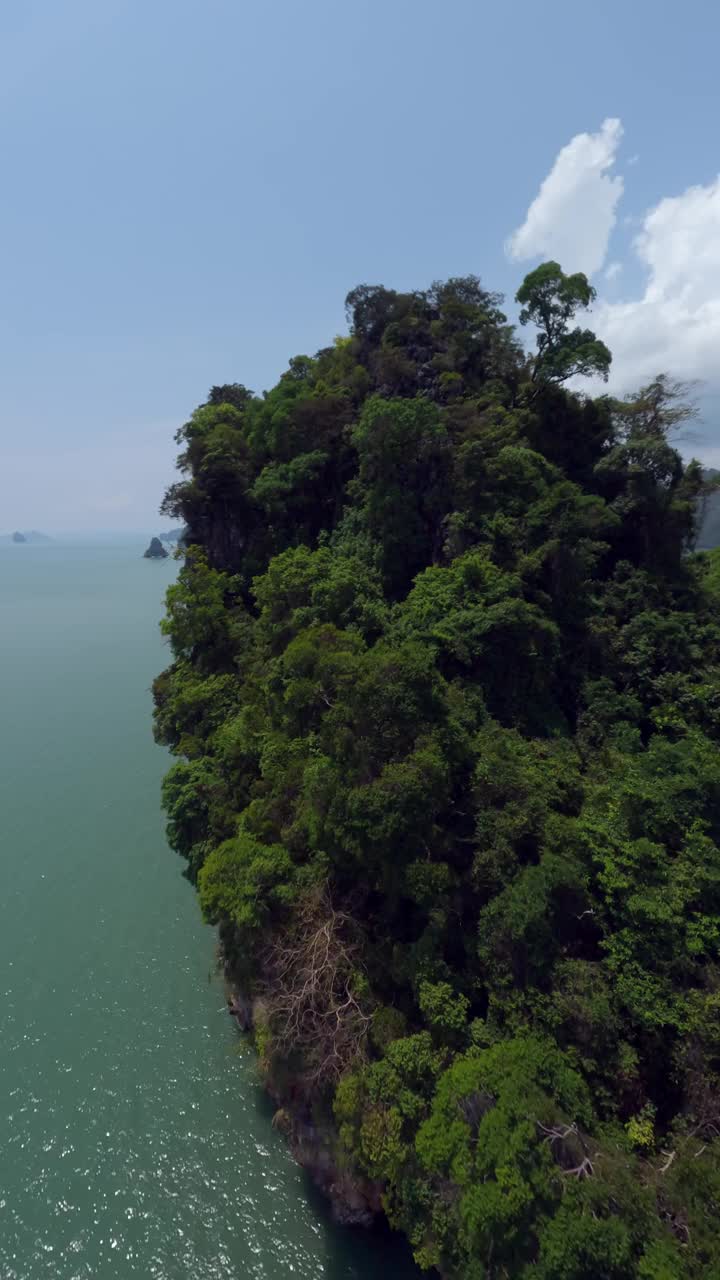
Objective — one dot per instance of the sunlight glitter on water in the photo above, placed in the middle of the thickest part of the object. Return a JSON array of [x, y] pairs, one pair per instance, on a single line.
[[136, 1139]]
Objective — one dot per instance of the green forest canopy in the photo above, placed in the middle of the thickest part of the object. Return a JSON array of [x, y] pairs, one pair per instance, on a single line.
[[445, 697]]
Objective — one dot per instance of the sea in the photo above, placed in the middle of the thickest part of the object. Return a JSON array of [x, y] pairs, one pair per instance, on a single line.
[[134, 1137]]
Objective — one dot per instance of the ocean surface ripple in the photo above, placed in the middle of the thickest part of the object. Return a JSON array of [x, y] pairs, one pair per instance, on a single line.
[[135, 1139]]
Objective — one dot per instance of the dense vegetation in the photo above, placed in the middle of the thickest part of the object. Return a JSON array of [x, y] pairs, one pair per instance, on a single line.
[[709, 533], [446, 700]]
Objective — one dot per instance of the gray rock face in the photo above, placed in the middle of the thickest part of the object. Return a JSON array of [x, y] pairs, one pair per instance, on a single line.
[[155, 551], [175, 536], [354, 1200], [19, 537]]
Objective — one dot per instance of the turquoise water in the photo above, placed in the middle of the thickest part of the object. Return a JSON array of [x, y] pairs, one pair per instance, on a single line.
[[135, 1140]]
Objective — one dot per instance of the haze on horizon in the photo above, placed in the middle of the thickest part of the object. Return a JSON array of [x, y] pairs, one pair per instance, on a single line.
[[190, 192]]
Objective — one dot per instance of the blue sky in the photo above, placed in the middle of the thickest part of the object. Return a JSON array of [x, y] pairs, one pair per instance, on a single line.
[[190, 189]]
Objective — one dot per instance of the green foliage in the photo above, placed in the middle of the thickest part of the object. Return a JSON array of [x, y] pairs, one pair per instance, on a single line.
[[203, 623], [443, 1011], [402, 483], [486, 1135], [303, 587], [641, 1128], [445, 701], [245, 882], [550, 300]]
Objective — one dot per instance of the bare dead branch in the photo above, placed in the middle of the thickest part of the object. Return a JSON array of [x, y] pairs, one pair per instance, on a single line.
[[585, 1169], [558, 1132], [311, 975], [570, 1149]]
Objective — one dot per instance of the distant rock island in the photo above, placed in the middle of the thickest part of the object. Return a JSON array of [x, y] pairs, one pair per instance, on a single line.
[[27, 535], [155, 551], [173, 535]]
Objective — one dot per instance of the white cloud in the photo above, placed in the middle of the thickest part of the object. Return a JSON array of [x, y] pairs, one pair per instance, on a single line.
[[675, 325], [573, 213]]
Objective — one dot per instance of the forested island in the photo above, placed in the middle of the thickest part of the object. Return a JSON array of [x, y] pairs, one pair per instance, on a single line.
[[445, 698]]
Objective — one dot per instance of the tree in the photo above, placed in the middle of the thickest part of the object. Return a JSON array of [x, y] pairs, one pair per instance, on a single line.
[[549, 300], [233, 393], [402, 483], [661, 408]]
